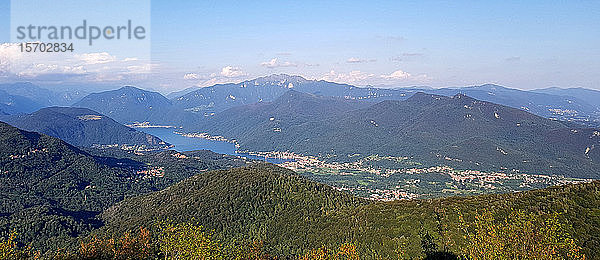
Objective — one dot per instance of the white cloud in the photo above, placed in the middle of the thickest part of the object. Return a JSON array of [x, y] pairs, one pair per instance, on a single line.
[[275, 63], [399, 74], [96, 58], [212, 81], [107, 77], [139, 69], [232, 72], [9, 54], [41, 68], [355, 76], [189, 76], [97, 66], [227, 74], [269, 64]]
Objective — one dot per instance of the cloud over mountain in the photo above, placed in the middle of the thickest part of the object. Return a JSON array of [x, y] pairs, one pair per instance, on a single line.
[[399, 74], [232, 72], [275, 63]]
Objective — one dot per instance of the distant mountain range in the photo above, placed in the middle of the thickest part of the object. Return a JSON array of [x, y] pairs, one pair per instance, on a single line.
[[565, 105], [223, 96], [25, 97], [129, 104], [578, 105], [13, 104], [480, 127], [186, 107], [458, 131], [592, 97], [82, 127]]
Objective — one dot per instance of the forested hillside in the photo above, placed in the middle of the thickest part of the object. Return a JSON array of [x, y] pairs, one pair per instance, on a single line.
[[290, 216], [52, 191], [457, 131]]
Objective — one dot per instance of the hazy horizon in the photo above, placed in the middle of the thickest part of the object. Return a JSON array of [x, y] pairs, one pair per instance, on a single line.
[[108, 87]]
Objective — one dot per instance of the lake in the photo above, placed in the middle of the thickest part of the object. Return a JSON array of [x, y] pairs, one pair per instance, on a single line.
[[183, 144]]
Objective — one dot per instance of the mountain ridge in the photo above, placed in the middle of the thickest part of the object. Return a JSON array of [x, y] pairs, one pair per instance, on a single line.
[[53, 191], [127, 104], [83, 127], [425, 126], [186, 109]]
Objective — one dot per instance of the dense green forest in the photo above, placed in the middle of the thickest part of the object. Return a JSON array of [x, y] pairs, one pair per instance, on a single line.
[[52, 192], [264, 211], [290, 215]]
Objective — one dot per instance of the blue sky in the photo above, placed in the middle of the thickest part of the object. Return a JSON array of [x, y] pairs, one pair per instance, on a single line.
[[521, 44]]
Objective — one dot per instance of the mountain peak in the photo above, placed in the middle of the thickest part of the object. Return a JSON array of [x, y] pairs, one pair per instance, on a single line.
[[127, 104], [82, 127], [131, 88], [279, 79]]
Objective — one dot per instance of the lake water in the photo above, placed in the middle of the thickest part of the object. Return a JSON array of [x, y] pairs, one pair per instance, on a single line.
[[183, 144]]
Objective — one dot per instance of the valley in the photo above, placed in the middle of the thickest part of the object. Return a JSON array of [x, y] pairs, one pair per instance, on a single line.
[[375, 143], [379, 177], [458, 145], [366, 178]]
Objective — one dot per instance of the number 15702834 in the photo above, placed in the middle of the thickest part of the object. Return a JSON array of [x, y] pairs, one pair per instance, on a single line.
[[46, 47]]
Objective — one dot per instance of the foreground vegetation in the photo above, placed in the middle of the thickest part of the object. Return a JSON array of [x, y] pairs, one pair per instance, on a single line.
[[290, 216], [519, 236], [264, 212]]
